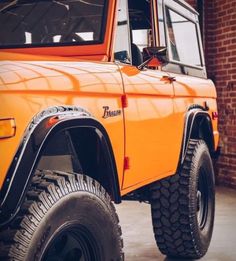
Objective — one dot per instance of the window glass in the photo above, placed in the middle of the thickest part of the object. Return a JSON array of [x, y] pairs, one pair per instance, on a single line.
[[182, 37], [140, 29], [49, 22], [161, 28], [142, 38], [122, 43]]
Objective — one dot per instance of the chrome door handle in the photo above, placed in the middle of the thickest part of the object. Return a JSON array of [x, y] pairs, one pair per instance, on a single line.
[[168, 78]]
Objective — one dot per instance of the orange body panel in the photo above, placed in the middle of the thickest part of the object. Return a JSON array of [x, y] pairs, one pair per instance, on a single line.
[[155, 107], [192, 90], [155, 120], [25, 89]]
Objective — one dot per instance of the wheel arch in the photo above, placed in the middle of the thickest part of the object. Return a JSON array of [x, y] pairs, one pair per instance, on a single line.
[[198, 125], [40, 132]]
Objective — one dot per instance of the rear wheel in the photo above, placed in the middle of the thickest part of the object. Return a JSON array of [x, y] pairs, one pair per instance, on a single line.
[[183, 206], [65, 217]]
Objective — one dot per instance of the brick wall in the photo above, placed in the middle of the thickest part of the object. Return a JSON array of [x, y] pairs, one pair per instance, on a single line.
[[220, 52]]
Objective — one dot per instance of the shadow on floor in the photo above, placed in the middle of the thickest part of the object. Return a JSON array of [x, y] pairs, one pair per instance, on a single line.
[[139, 243], [177, 259]]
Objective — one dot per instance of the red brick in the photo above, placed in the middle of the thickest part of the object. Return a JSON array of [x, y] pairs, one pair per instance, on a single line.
[[220, 53]]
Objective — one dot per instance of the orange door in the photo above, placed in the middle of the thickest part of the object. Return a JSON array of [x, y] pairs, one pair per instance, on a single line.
[[149, 124]]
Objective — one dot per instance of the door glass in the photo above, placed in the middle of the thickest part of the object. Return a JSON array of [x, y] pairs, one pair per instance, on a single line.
[[140, 29], [134, 31], [182, 41], [161, 27], [122, 42], [142, 38]]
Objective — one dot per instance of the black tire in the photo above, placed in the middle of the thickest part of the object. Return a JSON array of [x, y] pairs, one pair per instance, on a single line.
[[183, 206], [65, 217]]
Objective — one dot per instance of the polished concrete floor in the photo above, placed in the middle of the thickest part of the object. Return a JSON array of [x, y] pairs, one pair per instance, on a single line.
[[139, 243]]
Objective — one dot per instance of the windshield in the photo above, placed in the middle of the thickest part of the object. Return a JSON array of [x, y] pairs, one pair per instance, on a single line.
[[44, 22]]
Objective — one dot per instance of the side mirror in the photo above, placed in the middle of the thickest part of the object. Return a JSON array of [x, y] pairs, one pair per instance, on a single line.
[[154, 57]]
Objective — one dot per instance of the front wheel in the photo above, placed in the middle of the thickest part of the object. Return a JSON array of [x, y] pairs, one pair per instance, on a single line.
[[183, 206], [66, 217]]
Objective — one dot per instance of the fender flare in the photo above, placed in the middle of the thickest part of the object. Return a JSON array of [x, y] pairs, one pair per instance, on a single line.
[[43, 126], [190, 118]]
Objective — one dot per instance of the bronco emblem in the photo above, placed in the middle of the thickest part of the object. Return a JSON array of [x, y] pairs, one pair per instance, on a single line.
[[108, 113]]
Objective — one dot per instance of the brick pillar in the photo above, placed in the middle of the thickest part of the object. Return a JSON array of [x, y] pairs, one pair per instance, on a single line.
[[220, 52], [221, 66]]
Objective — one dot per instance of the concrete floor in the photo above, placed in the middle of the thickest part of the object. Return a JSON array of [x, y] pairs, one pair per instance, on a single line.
[[139, 243]]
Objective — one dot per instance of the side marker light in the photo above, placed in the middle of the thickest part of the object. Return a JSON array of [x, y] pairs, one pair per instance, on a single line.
[[7, 128], [126, 163], [215, 115]]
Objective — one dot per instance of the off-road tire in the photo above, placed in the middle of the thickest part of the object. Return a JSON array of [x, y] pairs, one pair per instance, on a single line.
[[183, 206], [64, 216]]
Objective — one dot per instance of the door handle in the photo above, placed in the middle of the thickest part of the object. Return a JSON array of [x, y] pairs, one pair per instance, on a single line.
[[168, 78]]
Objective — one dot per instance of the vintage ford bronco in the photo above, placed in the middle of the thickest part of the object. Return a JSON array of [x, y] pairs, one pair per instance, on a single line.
[[102, 101]]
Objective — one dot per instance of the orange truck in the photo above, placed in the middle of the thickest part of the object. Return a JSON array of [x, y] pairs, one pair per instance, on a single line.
[[103, 101]]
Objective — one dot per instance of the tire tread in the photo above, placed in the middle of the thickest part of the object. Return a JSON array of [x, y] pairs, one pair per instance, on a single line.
[[172, 221], [47, 188]]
